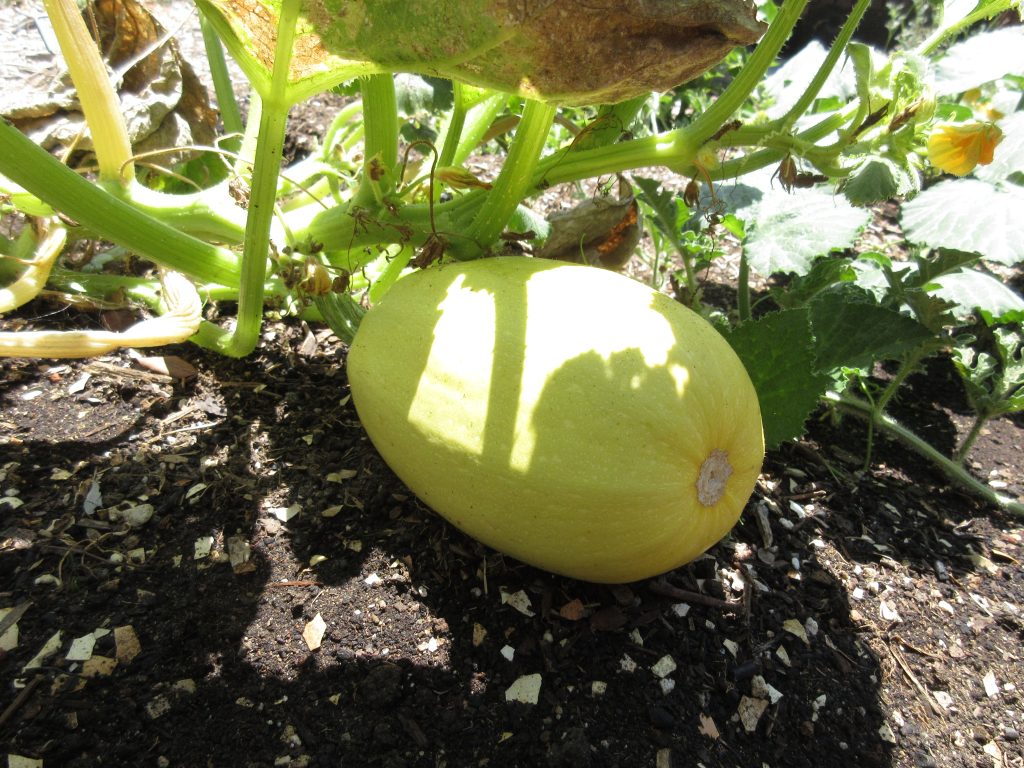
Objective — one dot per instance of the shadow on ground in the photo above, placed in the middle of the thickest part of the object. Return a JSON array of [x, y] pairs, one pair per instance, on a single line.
[[774, 661]]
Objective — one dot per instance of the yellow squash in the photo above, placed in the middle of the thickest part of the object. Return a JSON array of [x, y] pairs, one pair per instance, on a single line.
[[564, 415]]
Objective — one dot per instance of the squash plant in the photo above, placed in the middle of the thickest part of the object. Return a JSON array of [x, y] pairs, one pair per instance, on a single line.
[[334, 233]]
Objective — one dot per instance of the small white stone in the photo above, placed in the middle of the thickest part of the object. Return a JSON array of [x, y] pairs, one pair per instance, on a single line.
[[664, 666], [750, 711], [525, 690]]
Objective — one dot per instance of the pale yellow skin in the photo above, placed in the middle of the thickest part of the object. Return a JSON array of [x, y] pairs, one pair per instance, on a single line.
[[560, 414]]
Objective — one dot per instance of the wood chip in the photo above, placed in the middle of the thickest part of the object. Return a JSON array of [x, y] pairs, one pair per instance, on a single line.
[[708, 728], [127, 644], [314, 631], [171, 366], [795, 628], [608, 619], [518, 600]]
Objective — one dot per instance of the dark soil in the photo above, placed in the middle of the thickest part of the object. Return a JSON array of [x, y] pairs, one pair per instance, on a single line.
[[874, 602], [853, 618]]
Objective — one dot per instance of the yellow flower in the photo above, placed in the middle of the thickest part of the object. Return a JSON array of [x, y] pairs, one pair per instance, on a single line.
[[958, 148]]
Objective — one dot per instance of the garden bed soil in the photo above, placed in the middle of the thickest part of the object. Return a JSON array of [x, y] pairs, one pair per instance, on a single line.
[[867, 618]]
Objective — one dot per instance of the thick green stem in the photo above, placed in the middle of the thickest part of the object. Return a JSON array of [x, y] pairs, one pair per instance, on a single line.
[[380, 141], [453, 129], [906, 368], [230, 115], [838, 47], [676, 149], [983, 11], [341, 313], [514, 182], [263, 193], [116, 220], [100, 103], [250, 137], [380, 117], [478, 121], [345, 116], [732, 98], [952, 469], [979, 423], [743, 289]]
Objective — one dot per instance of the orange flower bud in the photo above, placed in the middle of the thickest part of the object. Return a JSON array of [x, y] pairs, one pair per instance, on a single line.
[[960, 147]]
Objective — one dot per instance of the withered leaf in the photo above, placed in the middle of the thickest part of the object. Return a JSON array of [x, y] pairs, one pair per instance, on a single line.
[[599, 232], [566, 51]]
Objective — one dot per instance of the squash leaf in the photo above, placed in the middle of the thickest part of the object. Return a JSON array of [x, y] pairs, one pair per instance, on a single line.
[[879, 179], [779, 239], [851, 331], [567, 51], [778, 352]]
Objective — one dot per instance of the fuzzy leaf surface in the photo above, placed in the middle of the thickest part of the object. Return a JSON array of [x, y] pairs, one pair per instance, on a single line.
[[787, 232], [778, 352], [853, 333], [969, 215]]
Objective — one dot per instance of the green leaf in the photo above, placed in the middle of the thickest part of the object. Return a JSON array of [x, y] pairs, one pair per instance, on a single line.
[[976, 372], [415, 94], [942, 261], [969, 215], [670, 212], [954, 113], [1010, 347], [787, 232], [972, 290], [993, 381], [802, 288], [777, 350], [851, 331], [877, 180], [980, 59]]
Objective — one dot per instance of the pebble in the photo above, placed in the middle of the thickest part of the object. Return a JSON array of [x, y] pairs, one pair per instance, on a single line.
[[1011, 734]]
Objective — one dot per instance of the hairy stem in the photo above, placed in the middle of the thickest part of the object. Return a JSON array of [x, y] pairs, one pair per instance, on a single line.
[[513, 182], [952, 469], [979, 423], [263, 193], [764, 55], [838, 47], [117, 220], [230, 115], [743, 289]]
